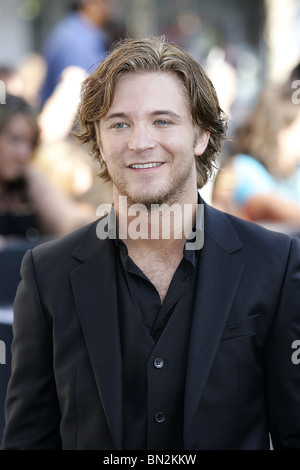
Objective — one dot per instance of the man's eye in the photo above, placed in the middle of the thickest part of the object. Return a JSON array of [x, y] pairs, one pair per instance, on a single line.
[[120, 125], [162, 122]]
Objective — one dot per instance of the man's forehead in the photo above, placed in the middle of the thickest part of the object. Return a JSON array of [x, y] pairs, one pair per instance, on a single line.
[[154, 90], [145, 73]]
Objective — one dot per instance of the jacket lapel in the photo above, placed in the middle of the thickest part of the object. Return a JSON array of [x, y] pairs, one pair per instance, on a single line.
[[218, 279], [94, 290]]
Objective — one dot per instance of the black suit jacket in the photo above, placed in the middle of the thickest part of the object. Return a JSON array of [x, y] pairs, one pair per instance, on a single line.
[[241, 382]]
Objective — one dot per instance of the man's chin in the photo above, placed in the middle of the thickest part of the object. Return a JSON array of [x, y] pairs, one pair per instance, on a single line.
[[148, 200]]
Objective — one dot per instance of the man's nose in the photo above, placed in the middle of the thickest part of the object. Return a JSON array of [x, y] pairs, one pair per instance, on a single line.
[[141, 138]]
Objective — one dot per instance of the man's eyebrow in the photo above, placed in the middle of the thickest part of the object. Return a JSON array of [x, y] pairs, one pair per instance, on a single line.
[[166, 112], [158, 112], [115, 115]]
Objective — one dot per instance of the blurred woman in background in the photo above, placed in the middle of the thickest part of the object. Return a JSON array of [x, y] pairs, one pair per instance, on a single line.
[[261, 182], [30, 206]]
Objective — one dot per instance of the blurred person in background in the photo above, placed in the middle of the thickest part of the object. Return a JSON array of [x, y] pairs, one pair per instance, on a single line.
[[30, 206], [261, 181], [78, 40], [75, 45]]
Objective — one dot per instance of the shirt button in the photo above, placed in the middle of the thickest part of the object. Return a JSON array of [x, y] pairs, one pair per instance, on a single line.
[[159, 417], [159, 363]]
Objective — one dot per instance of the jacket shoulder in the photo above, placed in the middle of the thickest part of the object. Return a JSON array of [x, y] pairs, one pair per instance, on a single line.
[[260, 233], [233, 232], [60, 250]]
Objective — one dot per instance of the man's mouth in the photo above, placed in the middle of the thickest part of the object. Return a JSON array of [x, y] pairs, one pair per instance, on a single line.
[[145, 165]]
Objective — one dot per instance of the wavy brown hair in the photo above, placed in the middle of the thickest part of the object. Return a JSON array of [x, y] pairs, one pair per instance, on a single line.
[[258, 136], [152, 55]]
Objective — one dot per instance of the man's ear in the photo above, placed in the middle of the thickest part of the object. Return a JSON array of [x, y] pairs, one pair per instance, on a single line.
[[97, 131], [201, 142]]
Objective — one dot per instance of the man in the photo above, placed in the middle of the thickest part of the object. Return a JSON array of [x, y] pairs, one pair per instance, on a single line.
[[128, 338]]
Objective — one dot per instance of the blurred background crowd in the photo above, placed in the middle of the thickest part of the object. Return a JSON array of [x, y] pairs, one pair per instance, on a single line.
[[251, 51]]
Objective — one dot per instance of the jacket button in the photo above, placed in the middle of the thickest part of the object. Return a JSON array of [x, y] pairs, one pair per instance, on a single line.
[[159, 417], [159, 363]]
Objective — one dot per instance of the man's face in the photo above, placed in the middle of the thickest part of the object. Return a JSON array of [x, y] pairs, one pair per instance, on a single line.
[[101, 11], [148, 140], [16, 147]]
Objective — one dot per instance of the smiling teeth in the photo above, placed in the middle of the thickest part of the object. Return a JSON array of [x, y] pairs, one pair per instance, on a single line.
[[146, 165]]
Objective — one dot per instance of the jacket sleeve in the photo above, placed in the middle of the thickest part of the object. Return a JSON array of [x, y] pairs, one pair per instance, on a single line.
[[32, 410], [282, 360]]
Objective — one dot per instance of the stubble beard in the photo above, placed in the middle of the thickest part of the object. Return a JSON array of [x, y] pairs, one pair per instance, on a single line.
[[170, 194]]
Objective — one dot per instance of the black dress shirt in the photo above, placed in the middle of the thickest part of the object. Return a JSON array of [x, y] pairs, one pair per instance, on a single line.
[[155, 342], [146, 299], [154, 351]]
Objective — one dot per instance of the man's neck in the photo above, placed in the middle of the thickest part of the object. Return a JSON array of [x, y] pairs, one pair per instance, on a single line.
[[161, 228]]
